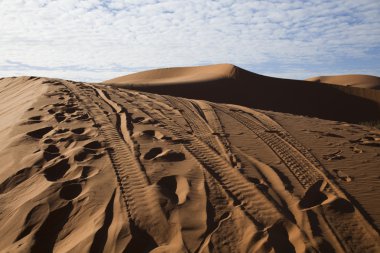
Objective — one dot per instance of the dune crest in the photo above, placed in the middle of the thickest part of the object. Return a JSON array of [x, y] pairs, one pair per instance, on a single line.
[[359, 81], [179, 75], [226, 83]]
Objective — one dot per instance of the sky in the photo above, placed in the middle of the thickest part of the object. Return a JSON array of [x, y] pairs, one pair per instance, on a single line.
[[94, 40]]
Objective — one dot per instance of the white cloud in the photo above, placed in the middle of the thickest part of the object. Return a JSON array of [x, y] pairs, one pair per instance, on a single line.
[[95, 35]]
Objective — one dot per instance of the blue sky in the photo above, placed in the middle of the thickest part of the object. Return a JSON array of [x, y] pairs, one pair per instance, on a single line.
[[93, 40]]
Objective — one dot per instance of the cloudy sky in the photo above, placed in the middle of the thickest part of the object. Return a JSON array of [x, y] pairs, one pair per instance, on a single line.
[[94, 40]]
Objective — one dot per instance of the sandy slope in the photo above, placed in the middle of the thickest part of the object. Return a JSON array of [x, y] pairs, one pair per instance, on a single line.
[[359, 81], [179, 75], [225, 83], [92, 168], [16, 96]]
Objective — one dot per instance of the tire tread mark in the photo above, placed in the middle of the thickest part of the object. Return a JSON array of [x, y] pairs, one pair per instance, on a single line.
[[354, 232], [198, 124], [254, 203], [141, 202], [227, 236], [216, 125]]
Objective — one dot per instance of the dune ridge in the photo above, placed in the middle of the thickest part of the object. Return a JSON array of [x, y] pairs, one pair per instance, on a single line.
[[359, 81], [179, 75], [226, 83], [105, 169]]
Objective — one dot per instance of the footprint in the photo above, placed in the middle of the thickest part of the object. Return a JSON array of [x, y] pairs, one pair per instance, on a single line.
[[170, 155], [61, 131], [315, 196], [368, 140], [174, 190], [51, 111], [70, 190], [334, 156], [93, 145], [343, 176], [152, 153], [81, 156], [51, 152], [35, 217], [149, 134], [79, 130], [58, 104], [371, 143], [57, 171], [39, 133], [92, 149], [49, 82], [67, 139], [60, 117], [71, 110], [48, 141], [167, 155], [356, 150], [341, 206], [16, 179], [328, 134], [83, 117], [88, 171], [34, 120]]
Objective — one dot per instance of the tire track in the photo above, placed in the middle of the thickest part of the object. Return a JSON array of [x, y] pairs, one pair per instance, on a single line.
[[220, 202], [273, 126], [354, 232], [226, 236], [301, 168], [197, 124], [140, 199], [255, 204], [217, 128]]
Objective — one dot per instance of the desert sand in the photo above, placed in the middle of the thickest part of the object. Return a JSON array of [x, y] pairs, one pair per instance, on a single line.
[[359, 81], [179, 75], [226, 83], [125, 166]]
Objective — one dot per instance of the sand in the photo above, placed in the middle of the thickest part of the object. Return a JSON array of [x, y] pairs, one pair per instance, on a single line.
[[99, 168], [359, 81], [226, 83], [179, 75]]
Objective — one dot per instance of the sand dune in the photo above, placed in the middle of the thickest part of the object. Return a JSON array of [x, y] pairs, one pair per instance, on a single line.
[[359, 81], [95, 168], [179, 75], [226, 83]]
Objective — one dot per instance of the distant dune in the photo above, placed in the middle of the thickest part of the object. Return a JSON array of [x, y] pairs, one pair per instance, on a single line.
[[227, 83], [179, 75], [358, 81]]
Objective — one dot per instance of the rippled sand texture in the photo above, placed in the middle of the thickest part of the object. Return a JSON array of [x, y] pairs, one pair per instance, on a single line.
[[95, 168]]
